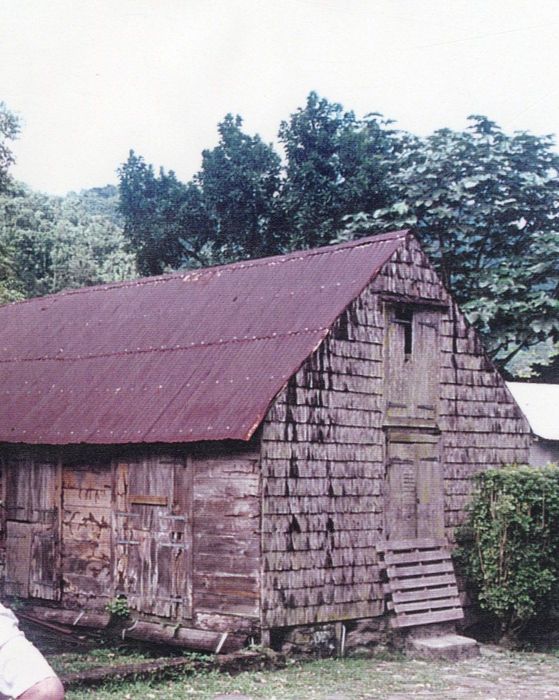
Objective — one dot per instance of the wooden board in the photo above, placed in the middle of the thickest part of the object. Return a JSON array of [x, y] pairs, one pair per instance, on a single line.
[[226, 552], [413, 493], [32, 500], [86, 531], [419, 591], [18, 538], [153, 527]]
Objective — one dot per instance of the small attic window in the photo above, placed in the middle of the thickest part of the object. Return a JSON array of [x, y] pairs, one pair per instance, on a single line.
[[403, 315]]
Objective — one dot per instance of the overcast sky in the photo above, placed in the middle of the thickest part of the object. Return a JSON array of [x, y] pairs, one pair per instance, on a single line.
[[92, 79]]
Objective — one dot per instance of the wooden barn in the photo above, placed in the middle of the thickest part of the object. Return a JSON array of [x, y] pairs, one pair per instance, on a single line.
[[246, 449]]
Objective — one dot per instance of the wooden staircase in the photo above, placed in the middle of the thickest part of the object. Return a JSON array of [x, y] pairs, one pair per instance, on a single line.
[[421, 587]]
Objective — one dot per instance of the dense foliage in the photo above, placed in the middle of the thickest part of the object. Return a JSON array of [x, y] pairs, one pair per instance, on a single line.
[[511, 553], [9, 129], [336, 164], [52, 243], [243, 204]]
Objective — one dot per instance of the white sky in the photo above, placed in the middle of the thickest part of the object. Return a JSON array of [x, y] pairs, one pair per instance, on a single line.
[[92, 79]]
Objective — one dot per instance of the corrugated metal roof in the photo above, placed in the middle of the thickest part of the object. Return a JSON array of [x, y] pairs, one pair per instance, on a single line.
[[183, 357], [540, 405]]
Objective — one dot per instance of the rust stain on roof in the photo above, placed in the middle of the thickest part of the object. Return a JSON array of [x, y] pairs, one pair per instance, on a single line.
[[179, 358]]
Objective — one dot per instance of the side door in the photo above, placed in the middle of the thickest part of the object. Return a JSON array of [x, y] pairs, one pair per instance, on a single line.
[[153, 535], [414, 488], [32, 509]]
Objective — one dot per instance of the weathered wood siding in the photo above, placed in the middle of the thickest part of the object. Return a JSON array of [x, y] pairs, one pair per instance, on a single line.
[[324, 449], [31, 522], [226, 535], [174, 529], [86, 530], [152, 529]]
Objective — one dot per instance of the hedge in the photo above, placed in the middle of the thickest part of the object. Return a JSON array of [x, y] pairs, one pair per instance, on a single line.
[[510, 546]]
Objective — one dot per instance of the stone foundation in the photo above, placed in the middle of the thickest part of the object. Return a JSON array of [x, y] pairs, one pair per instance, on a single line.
[[320, 641]]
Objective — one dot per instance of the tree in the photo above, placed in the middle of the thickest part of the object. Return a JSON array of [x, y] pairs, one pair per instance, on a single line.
[[9, 129], [238, 182], [485, 206], [52, 243], [151, 206], [225, 212], [336, 165]]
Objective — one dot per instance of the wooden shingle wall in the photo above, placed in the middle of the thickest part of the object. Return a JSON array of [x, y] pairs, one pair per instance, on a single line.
[[322, 467], [481, 425], [323, 450]]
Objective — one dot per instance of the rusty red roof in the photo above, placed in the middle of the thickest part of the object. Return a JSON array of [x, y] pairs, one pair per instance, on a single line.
[[197, 355]]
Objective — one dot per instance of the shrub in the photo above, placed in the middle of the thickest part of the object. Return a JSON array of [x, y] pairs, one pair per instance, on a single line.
[[118, 607], [510, 547]]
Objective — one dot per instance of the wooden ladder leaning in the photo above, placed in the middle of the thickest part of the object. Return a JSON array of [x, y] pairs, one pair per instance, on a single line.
[[421, 586]]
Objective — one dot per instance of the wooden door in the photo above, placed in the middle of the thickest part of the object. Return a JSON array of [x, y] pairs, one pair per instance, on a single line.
[[32, 501], [413, 492], [153, 536], [412, 365]]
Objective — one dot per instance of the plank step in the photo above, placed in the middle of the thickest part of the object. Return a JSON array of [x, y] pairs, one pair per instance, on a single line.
[[420, 569], [427, 618], [424, 605], [395, 545], [421, 582], [425, 594], [416, 557]]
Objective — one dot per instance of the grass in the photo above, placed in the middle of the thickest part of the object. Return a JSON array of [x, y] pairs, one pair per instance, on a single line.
[[366, 678], [75, 662], [514, 674]]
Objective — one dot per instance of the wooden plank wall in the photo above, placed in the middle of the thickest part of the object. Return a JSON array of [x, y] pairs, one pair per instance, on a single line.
[[222, 514], [31, 518], [226, 537], [86, 530], [323, 451]]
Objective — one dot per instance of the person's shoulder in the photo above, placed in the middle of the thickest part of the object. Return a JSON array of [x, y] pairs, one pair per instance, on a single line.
[[7, 615]]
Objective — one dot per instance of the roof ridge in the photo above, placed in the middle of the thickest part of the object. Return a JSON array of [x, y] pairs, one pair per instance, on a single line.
[[196, 273]]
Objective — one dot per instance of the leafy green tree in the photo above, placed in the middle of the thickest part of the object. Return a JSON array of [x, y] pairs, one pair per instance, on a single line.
[[225, 212], [336, 165], [485, 206], [239, 181], [548, 371], [149, 205], [9, 129], [53, 243]]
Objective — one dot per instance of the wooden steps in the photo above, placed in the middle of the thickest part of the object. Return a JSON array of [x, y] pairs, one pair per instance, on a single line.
[[421, 586]]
